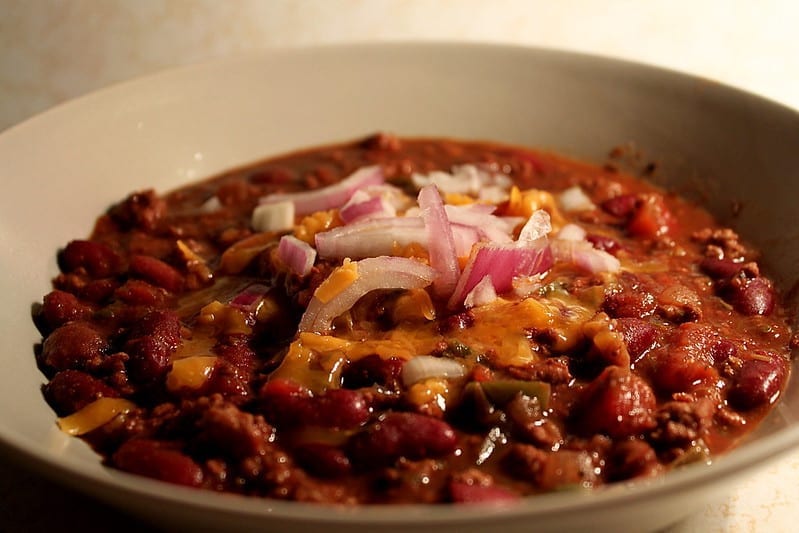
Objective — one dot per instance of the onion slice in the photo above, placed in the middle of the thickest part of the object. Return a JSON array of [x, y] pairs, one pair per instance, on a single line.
[[440, 241], [334, 196], [250, 298], [373, 238], [372, 273], [501, 263], [364, 207], [584, 256], [298, 255], [424, 367], [483, 293], [574, 199]]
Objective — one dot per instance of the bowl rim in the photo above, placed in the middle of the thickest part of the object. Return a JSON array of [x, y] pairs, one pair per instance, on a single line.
[[740, 460]]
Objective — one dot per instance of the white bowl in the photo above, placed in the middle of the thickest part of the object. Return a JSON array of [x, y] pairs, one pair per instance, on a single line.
[[61, 169]]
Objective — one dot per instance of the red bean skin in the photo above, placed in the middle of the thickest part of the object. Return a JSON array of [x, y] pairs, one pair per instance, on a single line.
[[323, 460], [156, 272], [408, 435], [617, 403], [651, 219], [751, 296], [758, 382], [639, 335], [60, 307], [75, 345], [287, 404], [606, 244], [99, 260], [620, 206], [372, 370], [157, 460], [71, 390], [150, 345], [137, 292], [720, 268]]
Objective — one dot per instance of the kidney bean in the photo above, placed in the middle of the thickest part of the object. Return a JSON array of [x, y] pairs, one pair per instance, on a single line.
[[639, 335], [71, 390], [372, 370], [629, 299], [288, 404], [323, 460], [758, 382], [681, 370], [722, 350], [150, 345], [137, 292], [98, 259], [617, 403], [604, 243], [157, 272], [720, 268], [396, 435], [651, 218], [75, 345], [620, 206], [751, 296], [60, 307], [158, 460], [98, 290], [342, 408], [463, 492]]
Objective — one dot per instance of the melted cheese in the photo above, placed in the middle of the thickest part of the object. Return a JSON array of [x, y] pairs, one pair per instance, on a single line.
[[337, 282], [94, 415], [190, 372]]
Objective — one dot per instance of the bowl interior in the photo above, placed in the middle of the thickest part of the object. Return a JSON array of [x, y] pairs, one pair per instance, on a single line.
[[63, 168]]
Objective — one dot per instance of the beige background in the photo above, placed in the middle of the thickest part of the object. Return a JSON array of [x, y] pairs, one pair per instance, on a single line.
[[53, 50]]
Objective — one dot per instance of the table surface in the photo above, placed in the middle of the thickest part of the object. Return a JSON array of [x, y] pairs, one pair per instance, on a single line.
[[50, 52]]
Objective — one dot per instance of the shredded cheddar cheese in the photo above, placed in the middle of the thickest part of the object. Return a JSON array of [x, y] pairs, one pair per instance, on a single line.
[[94, 415], [190, 372], [337, 282]]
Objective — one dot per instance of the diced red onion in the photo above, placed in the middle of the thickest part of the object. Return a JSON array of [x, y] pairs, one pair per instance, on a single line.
[[211, 205], [378, 237], [493, 193], [278, 216], [536, 227], [249, 299], [584, 256], [575, 199], [364, 207], [391, 194], [424, 367], [571, 232], [502, 263], [440, 241], [330, 197], [373, 273], [482, 294], [464, 179], [298, 255], [479, 216]]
